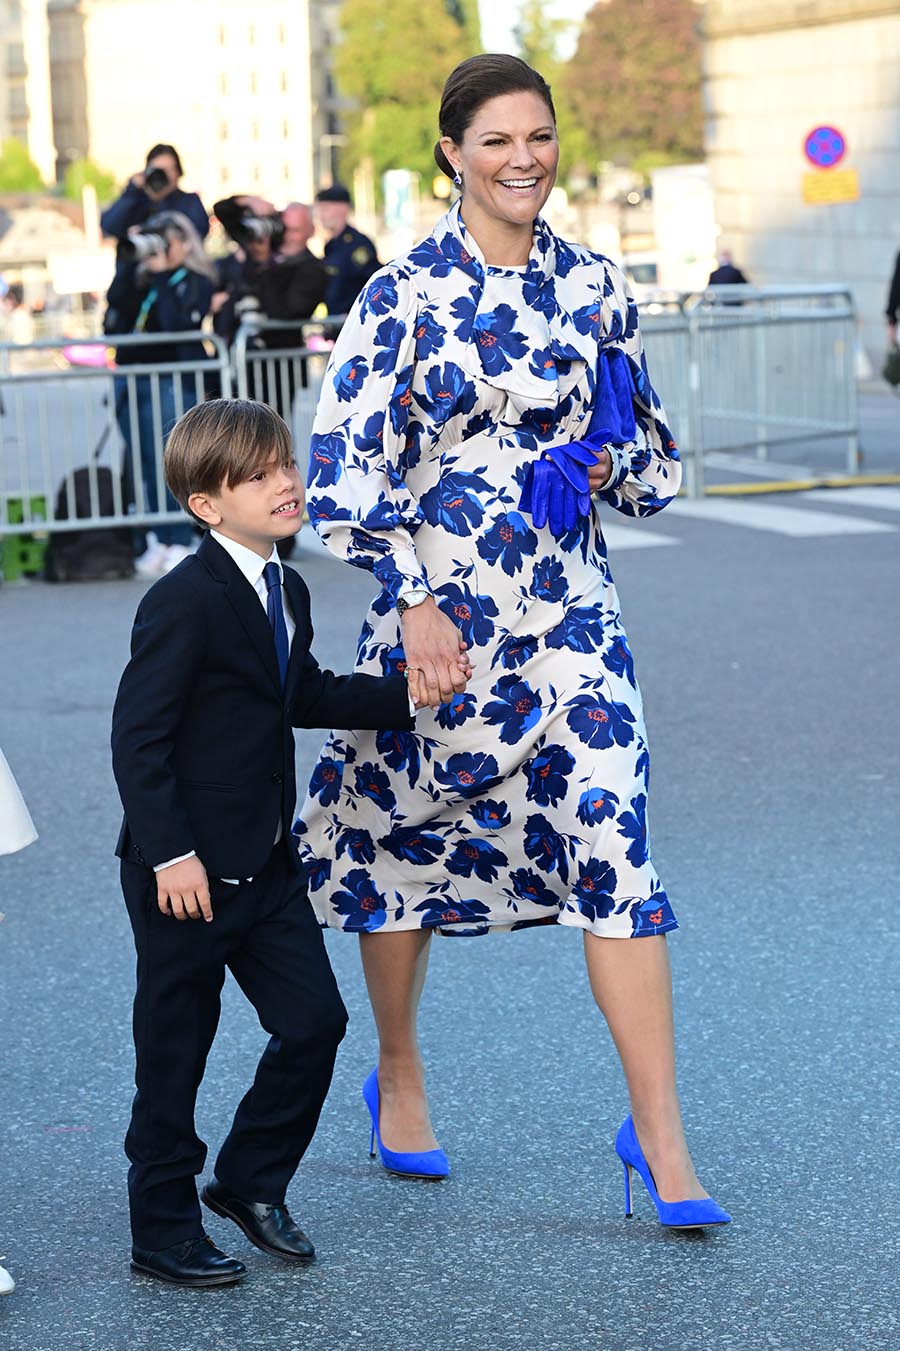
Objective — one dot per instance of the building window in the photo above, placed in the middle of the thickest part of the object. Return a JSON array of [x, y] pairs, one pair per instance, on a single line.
[[223, 131], [254, 130], [223, 173], [284, 87], [253, 82], [282, 34], [251, 34], [256, 173], [287, 173], [223, 82], [286, 130], [221, 35]]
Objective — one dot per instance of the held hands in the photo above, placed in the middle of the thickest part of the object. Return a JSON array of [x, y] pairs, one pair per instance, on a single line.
[[437, 663], [182, 890]]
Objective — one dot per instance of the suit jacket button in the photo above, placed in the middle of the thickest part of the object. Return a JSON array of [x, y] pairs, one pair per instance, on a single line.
[[277, 778]]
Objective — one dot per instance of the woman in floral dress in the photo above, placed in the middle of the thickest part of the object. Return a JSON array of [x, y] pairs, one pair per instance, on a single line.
[[521, 798]]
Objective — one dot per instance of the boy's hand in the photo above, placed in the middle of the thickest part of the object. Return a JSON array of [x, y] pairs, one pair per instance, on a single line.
[[182, 890]]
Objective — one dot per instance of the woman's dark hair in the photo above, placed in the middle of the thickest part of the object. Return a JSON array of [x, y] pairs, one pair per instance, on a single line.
[[163, 149], [473, 83]]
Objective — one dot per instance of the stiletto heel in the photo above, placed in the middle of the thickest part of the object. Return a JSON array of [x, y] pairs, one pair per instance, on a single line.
[[691, 1214], [628, 1211], [430, 1165]]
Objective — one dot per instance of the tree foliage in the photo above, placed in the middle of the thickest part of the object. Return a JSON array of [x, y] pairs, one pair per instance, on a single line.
[[634, 80], [84, 171], [18, 171], [392, 63], [538, 37]]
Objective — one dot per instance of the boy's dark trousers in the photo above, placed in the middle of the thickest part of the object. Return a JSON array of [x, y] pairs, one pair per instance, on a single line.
[[203, 753], [264, 931]]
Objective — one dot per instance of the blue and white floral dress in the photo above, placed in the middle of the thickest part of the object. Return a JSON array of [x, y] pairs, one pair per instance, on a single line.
[[524, 799]]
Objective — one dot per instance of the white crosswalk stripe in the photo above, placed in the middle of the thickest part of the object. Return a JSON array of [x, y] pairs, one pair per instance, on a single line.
[[797, 522], [885, 498], [619, 537]]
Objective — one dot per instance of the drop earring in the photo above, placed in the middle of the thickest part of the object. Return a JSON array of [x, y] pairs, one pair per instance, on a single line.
[[457, 179]]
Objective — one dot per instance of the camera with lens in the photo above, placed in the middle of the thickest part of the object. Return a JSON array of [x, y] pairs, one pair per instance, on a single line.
[[143, 245], [157, 180], [250, 229]]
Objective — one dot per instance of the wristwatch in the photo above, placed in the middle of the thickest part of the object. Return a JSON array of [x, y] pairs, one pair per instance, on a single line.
[[409, 600]]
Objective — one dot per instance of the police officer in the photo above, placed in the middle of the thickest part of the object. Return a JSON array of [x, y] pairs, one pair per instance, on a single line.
[[350, 257]]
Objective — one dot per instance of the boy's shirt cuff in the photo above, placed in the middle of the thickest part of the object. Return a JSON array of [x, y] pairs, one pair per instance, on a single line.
[[158, 867]]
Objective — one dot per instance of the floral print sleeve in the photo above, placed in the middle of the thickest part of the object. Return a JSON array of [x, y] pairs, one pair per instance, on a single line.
[[646, 473], [358, 500]]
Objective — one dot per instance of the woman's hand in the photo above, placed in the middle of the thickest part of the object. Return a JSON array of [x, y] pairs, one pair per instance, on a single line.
[[599, 472], [437, 664]]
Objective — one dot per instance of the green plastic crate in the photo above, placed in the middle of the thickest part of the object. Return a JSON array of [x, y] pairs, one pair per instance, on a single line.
[[23, 555]]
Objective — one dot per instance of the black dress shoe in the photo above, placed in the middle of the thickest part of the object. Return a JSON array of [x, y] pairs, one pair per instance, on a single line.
[[196, 1262], [268, 1227]]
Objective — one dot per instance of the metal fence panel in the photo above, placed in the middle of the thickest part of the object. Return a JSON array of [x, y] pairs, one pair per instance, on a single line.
[[57, 418], [737, 368]]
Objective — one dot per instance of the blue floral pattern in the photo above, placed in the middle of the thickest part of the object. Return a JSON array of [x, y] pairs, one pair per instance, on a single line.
[[523, 800]]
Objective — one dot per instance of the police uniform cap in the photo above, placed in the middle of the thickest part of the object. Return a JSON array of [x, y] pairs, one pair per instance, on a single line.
[[336, 193]]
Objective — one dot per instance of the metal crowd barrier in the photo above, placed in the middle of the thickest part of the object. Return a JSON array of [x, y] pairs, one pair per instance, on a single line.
[[743, 369], [737, 369], [63, 408], [282, 363]]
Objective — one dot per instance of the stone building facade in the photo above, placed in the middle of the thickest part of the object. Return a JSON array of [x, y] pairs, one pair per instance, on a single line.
[[231, 85], [774, 70]]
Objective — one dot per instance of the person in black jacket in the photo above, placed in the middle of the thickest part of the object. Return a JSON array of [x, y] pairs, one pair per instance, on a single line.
[[725, 273], [893, 304], [152, 190], [221, 670], [167, 292], [275, 272]]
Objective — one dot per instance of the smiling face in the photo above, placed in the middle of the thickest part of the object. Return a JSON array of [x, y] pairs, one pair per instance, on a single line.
[[507, 159], [266, 507]]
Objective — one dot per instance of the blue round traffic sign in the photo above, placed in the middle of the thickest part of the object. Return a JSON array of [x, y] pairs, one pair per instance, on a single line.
[[824, 147]]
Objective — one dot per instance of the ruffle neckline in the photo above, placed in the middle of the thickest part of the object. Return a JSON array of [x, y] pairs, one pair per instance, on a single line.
[[517, 337]]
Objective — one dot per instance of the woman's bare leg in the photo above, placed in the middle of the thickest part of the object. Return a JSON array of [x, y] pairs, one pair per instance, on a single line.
[[395, 965], [631, 982]]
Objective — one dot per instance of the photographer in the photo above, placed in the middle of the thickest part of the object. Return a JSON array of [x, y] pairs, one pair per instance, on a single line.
[[274, 275], [152, 190], [164, 284]]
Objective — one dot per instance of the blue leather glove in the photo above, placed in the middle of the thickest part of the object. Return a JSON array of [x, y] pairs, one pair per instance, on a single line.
[[556, 488], [612, 421], [556, 491]]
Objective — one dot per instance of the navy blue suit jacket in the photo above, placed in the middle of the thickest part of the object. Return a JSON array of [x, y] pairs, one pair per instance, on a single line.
[[202, 739]]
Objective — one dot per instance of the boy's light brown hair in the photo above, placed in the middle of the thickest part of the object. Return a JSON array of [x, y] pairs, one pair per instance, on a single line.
[[223, 441]]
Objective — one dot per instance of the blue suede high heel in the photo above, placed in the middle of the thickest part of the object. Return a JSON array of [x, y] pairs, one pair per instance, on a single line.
[[430, 1166], [674, 1214]]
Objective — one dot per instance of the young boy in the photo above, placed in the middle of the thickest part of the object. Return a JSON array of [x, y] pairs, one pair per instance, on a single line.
[[203, 754]]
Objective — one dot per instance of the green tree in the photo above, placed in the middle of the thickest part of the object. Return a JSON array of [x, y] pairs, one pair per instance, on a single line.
[[634, 80], [392, 63], [538, 38], [84, 171], [18, 171]]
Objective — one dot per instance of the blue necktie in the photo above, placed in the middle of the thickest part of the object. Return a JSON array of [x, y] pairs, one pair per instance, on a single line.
[[275, 611]]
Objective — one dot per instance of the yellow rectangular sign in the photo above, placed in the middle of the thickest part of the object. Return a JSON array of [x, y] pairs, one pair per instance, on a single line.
[[822, 187]]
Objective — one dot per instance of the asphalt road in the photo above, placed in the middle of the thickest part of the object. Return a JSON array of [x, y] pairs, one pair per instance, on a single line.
[[769, 665]]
